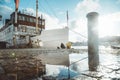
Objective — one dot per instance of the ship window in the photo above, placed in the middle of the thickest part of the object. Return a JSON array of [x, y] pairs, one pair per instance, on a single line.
[[20, 17], [22, 37], [43, 22], [31, 20], [25, 18], [28, 19], [34, 20], [40, 22]]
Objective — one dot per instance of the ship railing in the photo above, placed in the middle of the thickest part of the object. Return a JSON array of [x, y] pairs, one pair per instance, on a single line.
[[25, 33]]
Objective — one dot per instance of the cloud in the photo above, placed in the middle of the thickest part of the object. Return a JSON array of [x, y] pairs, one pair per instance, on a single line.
[[61, 13], [86, 6], [79, 25], [50, 21], [28, 11], [4, 1], [113, 17], [5, 11], [118, 1], [73, 24], [79, 28], [7, 1], [109, 22]]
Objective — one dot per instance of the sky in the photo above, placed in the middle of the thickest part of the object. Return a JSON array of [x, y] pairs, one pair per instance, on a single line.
[[54, 12]]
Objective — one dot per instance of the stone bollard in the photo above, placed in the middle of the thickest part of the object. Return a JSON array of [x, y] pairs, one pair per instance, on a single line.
[[93, 48]]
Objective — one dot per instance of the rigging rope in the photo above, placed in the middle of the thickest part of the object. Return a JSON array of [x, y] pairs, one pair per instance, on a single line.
[[78, 34], [53, 12]]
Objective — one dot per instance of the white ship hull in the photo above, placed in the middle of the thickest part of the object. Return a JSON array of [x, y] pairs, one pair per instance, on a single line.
[[51, 38]]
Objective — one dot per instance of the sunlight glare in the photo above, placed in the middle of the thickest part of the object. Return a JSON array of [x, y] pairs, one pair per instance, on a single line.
[[106, 27]]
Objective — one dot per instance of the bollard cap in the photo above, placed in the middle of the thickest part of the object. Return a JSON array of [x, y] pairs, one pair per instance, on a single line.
[[92, 14]]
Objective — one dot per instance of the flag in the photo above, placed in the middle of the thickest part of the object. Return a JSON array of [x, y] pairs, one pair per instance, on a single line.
[[16, 4]]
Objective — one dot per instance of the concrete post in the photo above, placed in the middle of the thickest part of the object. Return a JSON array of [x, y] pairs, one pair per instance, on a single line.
[[93, 48]]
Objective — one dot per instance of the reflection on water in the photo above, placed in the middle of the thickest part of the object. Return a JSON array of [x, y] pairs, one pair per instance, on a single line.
[[109, 67]]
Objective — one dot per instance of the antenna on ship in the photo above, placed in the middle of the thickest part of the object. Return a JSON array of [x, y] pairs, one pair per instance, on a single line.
[[36, 16]]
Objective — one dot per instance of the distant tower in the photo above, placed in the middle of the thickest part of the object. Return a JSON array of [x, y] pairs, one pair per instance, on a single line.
[[93, 48]]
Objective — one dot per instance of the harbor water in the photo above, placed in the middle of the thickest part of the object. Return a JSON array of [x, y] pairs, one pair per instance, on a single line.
[[108, 69]]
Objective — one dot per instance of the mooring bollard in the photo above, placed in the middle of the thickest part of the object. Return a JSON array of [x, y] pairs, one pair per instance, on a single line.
[[93, 48]]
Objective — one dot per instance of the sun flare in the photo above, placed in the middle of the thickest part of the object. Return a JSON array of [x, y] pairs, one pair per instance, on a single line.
[[106, 27]]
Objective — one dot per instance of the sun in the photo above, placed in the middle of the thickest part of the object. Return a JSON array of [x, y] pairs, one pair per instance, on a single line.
[[106, 27]]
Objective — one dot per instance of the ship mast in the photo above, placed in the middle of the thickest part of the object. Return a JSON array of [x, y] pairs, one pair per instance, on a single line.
[[67, 19], [16, 11], [36, 16]]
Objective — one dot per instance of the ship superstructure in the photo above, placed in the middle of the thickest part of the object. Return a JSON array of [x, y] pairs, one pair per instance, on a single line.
[[23, 30], [19, 34]]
